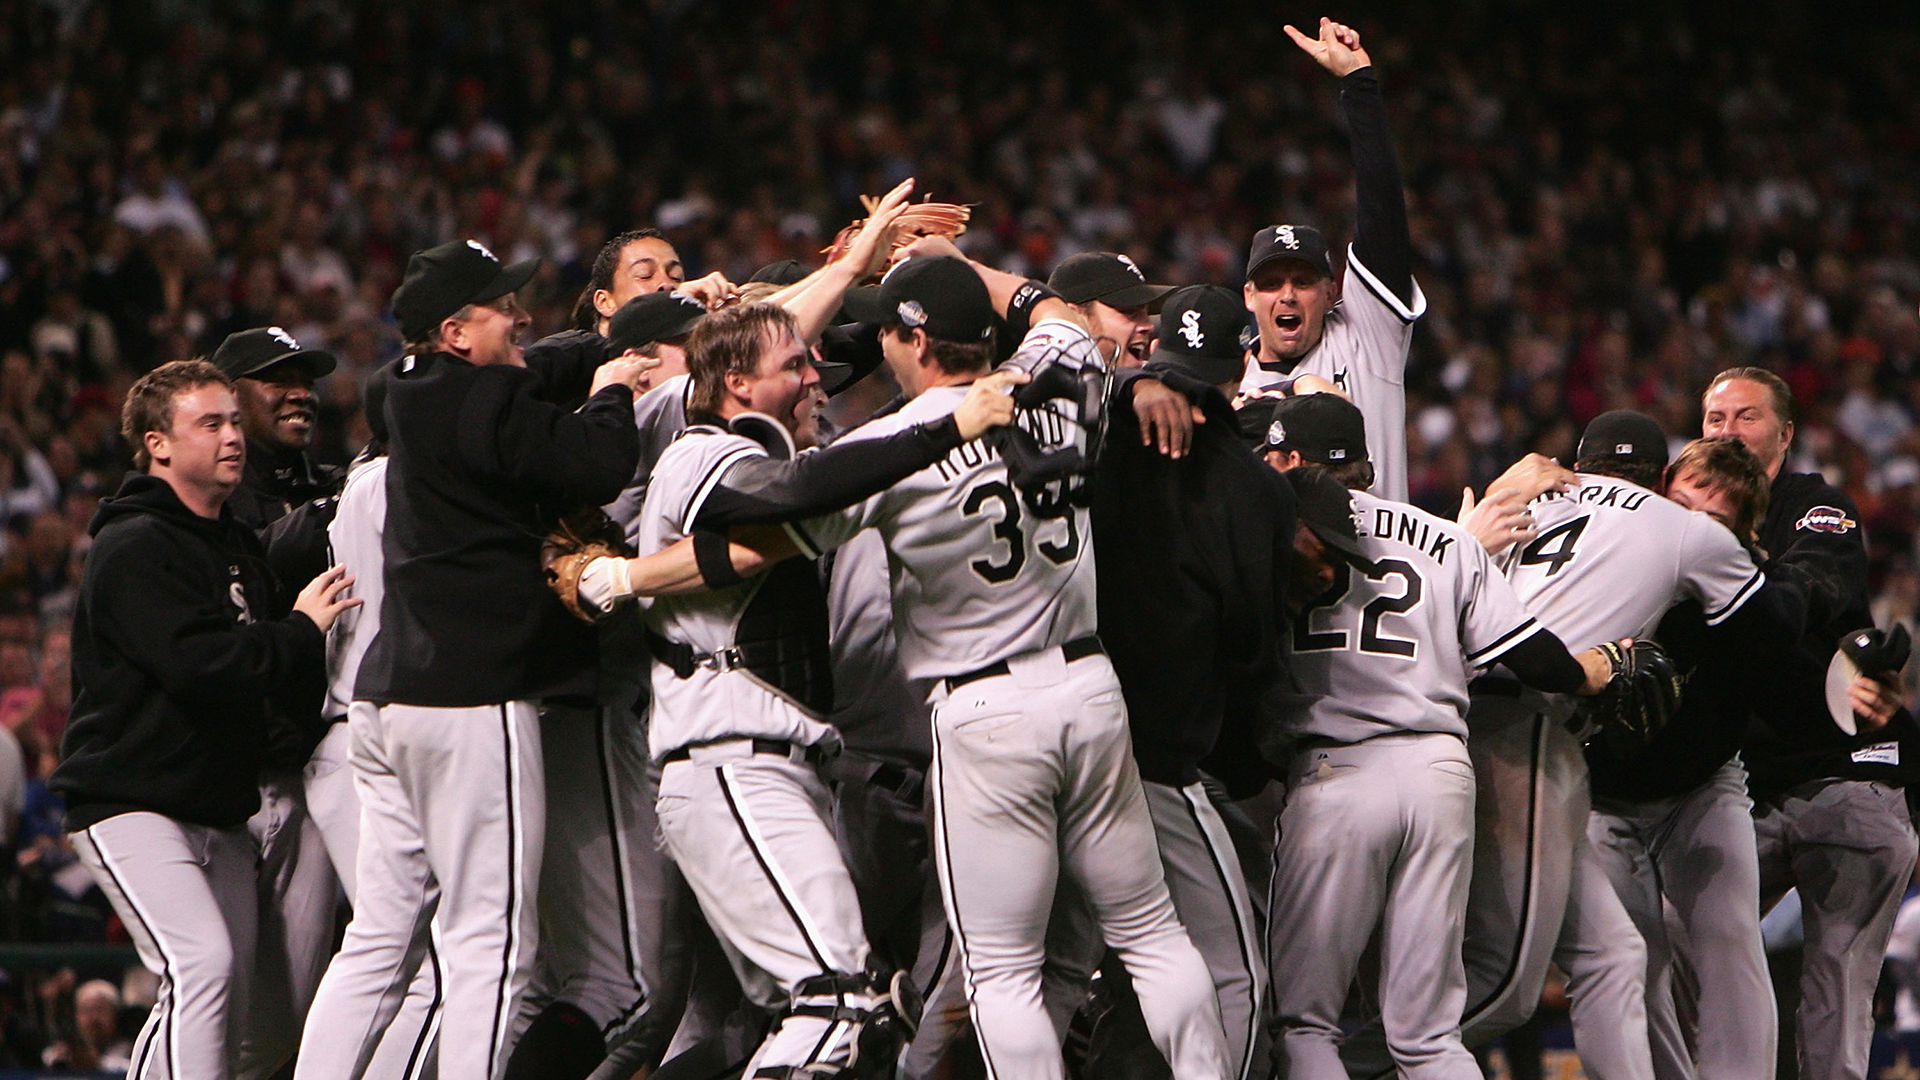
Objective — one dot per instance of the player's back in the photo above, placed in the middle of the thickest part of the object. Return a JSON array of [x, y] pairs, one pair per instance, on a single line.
[[1387, 646], [1610, 557], [982, 570]]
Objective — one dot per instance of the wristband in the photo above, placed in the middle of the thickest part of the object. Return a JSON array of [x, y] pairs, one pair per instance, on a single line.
[[1020, 308]]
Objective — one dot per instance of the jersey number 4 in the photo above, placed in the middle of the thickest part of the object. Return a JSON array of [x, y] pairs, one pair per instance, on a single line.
[[1306, 639], [1052, 502], [1555, 546]]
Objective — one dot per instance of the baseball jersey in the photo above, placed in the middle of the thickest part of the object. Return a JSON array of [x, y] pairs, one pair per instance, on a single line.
[[980, 571], [709, 704], [661, 415], [1363, 351], [1387, 649], [1611, 557], [354, 534]]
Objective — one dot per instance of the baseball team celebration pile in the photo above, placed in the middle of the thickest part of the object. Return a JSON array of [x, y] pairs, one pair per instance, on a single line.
[[895, 664]]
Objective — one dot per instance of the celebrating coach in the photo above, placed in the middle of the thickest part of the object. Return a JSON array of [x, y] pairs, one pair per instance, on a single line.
[[1830, 812]]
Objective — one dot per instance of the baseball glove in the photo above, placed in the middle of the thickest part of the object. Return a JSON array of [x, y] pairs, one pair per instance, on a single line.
[[580, 538], [1637, 701], [918, 220]]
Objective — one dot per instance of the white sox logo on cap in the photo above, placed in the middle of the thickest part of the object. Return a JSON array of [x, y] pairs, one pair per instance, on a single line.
[[1190, 329], [911, 313], [1129, 264], [1284, 234], [482, 249], [282, 337]]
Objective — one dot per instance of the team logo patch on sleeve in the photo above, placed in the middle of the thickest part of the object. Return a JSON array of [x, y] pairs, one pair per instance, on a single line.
[[1826, 519]]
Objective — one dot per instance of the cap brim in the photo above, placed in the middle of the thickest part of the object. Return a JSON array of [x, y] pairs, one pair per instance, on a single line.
[[1346, 545], [866, 305], [833, 376], [317, 361], [1208, 369], [1149, 296], [1325, 271], [510, 279]]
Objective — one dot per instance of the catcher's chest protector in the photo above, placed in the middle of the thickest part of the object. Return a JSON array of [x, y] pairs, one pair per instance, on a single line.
[[782, 636]]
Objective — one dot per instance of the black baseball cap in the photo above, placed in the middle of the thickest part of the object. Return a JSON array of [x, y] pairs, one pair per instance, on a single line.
[[936, 293], [846, 351], [1624, 435], [250, 352], [1301, 242], [782, 273], [442, 280], [1326, 507], [1323, 428], [1112, 279], [1200, 329], [654, 316]]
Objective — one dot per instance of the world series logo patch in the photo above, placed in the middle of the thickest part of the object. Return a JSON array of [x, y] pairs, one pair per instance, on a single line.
[[1826, 519]]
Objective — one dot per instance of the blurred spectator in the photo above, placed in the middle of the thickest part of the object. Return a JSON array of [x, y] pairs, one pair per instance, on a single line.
[[95, 1042]]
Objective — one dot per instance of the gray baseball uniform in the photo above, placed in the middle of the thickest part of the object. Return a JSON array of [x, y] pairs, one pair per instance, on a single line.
[[741, 804], [1377, 831], [407, 1049], [1363, 351], [993, 594]]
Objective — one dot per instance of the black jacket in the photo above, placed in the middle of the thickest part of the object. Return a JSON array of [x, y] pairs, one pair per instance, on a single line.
[[1192, 571], [174, 677], [1813, 533], [480, 468], [274, 484]]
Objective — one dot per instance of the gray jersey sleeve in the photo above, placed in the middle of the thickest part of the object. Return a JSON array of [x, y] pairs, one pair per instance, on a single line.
[[1492, 619], [355, 535], [661, 415], [1715, 569]]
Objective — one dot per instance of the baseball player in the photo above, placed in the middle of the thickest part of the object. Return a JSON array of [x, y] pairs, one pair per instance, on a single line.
[[1353, 332], [1830, 812], [1378, 824], [742, 682], [993, 595], [1672, 825], [176, 677]]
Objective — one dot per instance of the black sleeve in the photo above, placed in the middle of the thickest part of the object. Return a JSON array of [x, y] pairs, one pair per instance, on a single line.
[[1380, 238], [1543, 662], [1830, 568], [764, 490], [563, 365], [1769, 623], [567, 458]]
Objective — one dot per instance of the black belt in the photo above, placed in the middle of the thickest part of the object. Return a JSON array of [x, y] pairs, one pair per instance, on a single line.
[[813, 754], [1077, 649]]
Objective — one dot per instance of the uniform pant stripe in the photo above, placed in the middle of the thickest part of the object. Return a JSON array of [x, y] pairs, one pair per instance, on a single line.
[[618, 839], [429, 1024], [1530, 872], [1242, 924], [510, 955], [163, 1033], [944, 872]]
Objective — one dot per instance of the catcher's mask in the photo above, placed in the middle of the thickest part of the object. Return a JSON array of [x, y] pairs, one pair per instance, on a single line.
[[1063, 390]]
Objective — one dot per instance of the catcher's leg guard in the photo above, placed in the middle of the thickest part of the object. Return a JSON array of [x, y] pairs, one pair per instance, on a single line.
[[880, 1011]]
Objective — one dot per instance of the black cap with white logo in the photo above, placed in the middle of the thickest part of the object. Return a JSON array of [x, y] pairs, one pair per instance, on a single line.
[[654, 316], [1112, 279], [936, 293], [1323, 428], [442, 280], [1326, 507], [1624, 435], [1200, 329], [249, 353], [1301, 242]]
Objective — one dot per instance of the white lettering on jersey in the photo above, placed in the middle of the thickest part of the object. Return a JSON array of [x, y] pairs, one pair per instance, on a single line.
[[237, 595], [1190, 329]]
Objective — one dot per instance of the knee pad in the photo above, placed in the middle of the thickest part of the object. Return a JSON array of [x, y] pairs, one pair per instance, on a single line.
[[883, 1007], [562, 1043]]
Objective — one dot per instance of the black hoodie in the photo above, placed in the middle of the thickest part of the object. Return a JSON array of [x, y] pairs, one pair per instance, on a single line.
[[173, 674]]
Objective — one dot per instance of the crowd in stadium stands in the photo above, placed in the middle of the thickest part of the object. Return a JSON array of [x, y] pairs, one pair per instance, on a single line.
[[1607, 208]]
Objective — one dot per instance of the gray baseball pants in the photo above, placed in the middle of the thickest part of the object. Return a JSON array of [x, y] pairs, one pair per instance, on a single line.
[[186, 895], [1033, 773], [1377, 834], [298, 897], [1690, 861], [407, 1051], [453, 824], [1849, 846]]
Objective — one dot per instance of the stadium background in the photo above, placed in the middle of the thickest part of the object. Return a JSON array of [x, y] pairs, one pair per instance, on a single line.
[[1608, 205]]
